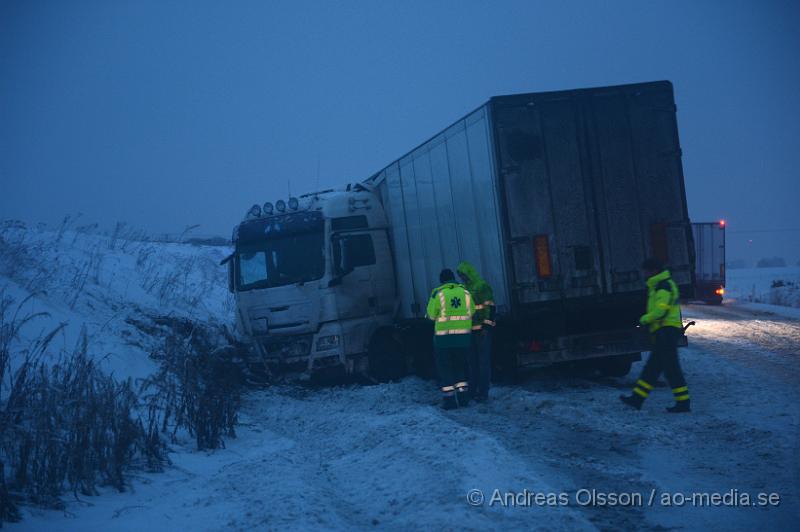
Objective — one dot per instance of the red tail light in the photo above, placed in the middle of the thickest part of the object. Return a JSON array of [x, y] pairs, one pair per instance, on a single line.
[[722, 223], [541, 247], [535, 346], [720, 291], [658, 241]]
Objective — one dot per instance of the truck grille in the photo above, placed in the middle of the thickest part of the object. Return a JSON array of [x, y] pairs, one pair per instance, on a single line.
[[286, 348]]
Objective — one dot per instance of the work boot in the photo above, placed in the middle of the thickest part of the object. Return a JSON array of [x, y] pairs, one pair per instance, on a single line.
[[633, 400], [462, 393], [449, 403], [462, 398], [680, 407]]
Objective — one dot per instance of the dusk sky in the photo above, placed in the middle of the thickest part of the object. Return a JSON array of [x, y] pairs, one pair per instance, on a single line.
[[166, 114]]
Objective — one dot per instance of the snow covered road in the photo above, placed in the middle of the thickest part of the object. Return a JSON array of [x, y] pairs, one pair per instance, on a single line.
[[355, 457], [763, 337]]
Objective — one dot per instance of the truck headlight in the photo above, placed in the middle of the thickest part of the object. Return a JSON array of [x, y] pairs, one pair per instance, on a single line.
[[326, 343]]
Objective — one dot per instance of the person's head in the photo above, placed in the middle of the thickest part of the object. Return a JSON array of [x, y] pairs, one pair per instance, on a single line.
[[447, 276], [466, 272], [652, 266]]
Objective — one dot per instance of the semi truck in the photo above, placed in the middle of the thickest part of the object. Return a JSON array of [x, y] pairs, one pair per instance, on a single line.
[[709, 249], [555, 197]]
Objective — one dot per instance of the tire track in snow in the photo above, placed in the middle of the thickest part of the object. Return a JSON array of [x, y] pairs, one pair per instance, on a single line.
[[386, 456]]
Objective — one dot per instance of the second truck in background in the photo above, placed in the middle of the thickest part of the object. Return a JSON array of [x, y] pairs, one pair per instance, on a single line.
[[709, 250]]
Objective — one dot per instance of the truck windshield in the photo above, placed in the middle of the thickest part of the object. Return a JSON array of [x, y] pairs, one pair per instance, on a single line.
[[287, 259]]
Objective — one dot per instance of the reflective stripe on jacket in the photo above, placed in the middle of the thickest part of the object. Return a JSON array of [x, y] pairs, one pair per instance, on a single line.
[[663, 309], [451, 307]]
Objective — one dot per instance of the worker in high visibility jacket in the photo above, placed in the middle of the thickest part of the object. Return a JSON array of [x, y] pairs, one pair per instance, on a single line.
[[480, 358], [451, 308], [663, 318]]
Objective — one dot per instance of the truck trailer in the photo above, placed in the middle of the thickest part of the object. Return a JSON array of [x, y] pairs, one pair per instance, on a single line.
[[555, 197], [709, 249]]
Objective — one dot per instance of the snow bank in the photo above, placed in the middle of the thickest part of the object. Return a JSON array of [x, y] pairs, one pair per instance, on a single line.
[[108, 283], [774, 286]]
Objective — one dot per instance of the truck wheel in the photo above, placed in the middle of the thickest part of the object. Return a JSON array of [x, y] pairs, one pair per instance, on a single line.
[[385, 357], [617, 366]]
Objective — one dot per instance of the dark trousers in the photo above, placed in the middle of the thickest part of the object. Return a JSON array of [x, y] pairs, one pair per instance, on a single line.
[[451, 365], [664, 359], [480, 363]]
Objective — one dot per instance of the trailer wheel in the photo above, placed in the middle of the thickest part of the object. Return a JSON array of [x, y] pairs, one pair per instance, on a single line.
[[617, 366], [385, 358]]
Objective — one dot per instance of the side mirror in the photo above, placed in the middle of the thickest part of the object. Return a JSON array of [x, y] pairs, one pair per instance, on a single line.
[[229, 261], [231, 287]]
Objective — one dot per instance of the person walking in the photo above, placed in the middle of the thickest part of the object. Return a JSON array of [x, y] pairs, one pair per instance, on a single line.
[[663, 318]]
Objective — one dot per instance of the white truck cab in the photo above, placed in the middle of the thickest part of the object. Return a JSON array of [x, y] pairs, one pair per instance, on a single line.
[[314, 281]]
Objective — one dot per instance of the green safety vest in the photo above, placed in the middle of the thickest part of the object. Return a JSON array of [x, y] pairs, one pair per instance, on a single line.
[[451, 308]]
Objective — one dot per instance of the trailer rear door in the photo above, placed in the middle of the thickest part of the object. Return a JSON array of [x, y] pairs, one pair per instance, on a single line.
[[593, 184], [639, 178]]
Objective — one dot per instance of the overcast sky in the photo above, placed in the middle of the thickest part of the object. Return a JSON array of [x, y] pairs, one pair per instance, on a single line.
[[165, 114]]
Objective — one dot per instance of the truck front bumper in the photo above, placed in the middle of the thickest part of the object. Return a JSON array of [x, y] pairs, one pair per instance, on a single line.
[[301, 352]]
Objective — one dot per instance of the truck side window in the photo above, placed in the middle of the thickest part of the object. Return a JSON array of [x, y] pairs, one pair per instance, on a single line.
[[346, 223], [362, 249]]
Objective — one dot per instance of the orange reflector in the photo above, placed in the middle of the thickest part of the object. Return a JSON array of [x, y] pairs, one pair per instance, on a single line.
[[541, 247], [719, 291]]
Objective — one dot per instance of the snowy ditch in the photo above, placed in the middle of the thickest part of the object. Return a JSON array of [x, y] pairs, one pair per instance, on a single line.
[[111, 349]]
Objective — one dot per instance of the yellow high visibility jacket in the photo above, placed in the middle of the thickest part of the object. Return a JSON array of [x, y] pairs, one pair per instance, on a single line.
[[451, 308], [481, 291], [663, 309]]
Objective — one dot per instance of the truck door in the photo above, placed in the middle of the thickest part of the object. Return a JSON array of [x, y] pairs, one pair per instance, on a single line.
[[384, 297], [354, 260]]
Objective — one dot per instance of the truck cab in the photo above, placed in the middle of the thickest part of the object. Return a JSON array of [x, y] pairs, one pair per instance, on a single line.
[[313, 281]]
